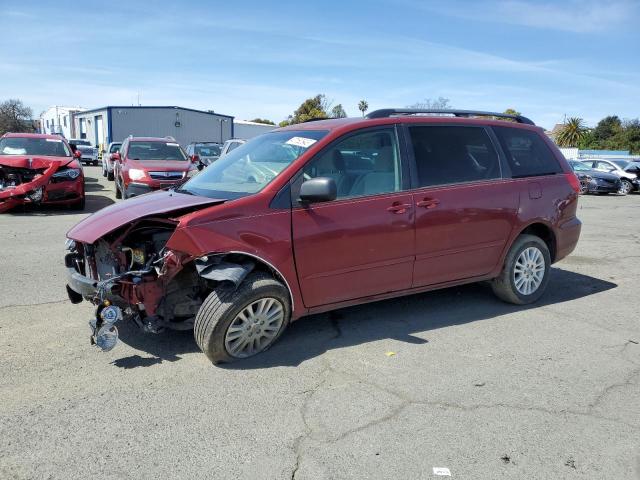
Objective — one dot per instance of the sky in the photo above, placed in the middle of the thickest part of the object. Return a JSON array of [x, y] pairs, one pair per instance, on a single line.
[[263, 58]]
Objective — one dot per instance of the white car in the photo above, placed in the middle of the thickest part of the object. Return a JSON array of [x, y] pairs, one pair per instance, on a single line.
[[107, 161], [88, 151], [630, 180], [231, 145]]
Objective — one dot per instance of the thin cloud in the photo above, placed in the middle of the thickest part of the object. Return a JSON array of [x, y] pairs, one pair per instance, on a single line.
[[576, 16]]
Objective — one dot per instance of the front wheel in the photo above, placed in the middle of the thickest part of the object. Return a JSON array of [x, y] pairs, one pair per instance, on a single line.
[[525, 273], [625, 187], [240, 323]]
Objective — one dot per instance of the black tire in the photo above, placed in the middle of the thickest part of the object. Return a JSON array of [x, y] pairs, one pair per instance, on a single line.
[[110, 176], [222, 306], [95, 164], [104, 171], [118, 192], [627, 187], [504, 285]]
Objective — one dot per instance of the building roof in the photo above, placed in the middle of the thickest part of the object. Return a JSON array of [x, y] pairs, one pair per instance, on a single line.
[[93, 110]]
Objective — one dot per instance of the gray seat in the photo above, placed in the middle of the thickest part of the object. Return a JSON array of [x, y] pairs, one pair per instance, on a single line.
[[382, 179]]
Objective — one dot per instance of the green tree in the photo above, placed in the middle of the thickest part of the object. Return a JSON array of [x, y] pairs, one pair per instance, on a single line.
[[338, 112], [573, 131], [511, 111], [363, 106], [262, 120], [312, 108], [15, 117], [607, 128]]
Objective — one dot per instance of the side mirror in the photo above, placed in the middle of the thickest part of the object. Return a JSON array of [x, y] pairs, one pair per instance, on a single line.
[[321, 189], [77, 154], [116, 156], [195, 158]]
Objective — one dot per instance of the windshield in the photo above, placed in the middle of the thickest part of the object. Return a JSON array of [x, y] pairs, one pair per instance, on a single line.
[[579, 167], [250, 167], [84, 143], [155, 151], [46, 147], [115, 147], [208, 149]]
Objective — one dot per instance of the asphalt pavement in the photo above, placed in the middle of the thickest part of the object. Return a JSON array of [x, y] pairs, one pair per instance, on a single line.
[[450, 379]]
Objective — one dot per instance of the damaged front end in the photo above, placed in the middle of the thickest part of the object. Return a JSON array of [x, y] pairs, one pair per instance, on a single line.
[[23, 181], [130, 274]]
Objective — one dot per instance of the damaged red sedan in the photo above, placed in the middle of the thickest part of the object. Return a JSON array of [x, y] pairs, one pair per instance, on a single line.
[[39, 169], [327, 214]]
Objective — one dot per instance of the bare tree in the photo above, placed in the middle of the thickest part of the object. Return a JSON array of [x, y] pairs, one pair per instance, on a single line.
[[439, 103], [15, 117]]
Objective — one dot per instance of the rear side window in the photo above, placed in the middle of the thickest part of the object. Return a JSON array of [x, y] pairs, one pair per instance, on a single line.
[[527, 154], [446, 155]]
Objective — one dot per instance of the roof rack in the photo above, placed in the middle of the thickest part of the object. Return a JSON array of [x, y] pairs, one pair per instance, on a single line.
[[388, 112]]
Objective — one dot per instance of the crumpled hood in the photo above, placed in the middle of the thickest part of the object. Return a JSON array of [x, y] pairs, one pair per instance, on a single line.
[[114, 216], [31, 161], [11, 197]]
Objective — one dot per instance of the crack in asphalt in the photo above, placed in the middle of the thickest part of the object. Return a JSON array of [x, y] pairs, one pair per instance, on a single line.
[[52, 302], [406, 402]]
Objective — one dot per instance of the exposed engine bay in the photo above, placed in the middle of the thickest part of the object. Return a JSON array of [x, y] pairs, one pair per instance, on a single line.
[[132, 271], [23, 180]]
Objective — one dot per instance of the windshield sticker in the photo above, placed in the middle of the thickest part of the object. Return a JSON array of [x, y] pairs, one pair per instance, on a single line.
[[53, 140], [301, 142]]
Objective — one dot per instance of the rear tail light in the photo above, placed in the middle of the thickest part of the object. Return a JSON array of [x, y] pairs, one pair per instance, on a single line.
[[573, 181]]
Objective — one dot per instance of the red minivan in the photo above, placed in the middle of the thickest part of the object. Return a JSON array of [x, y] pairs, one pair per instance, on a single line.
[[144, 164], [327, 214]]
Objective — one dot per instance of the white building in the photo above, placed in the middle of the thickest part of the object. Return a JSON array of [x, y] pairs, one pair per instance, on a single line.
[[59, 120], [246, 130]]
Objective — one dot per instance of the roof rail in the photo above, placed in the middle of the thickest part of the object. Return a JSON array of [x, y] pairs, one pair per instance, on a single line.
[[388, 112]]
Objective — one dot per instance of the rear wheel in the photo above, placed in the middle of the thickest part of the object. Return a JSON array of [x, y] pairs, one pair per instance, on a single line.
[[239, 323], [525, 273], [109, 175]]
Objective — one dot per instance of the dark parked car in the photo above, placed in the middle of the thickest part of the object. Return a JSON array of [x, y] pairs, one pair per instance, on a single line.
[[392, 204], [205, 153], [595, 181]]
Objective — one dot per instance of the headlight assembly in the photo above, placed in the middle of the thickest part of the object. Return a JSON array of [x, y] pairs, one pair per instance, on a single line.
[[67, 174], [135, 174]]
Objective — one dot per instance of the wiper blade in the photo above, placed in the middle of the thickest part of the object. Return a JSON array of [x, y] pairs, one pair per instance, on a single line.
[[182, 190]]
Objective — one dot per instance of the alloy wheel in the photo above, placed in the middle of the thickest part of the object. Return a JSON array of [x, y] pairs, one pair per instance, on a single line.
[[529, 271], [254, 328]]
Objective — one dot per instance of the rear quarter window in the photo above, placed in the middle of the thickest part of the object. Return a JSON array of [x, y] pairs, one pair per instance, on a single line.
[[527, 154]]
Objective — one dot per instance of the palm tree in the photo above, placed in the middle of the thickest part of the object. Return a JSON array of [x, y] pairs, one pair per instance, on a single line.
[[571, 133], [363, 106]]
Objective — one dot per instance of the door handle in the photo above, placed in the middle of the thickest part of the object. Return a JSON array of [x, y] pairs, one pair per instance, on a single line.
[[398, 207], [428, 203]]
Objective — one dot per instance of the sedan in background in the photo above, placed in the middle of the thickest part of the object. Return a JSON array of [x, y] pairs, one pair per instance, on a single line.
[[594, 181], [230, 145], [107, 159], [631, 166], [630, 182], [39, 169], [89, 153], [204, 152]]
